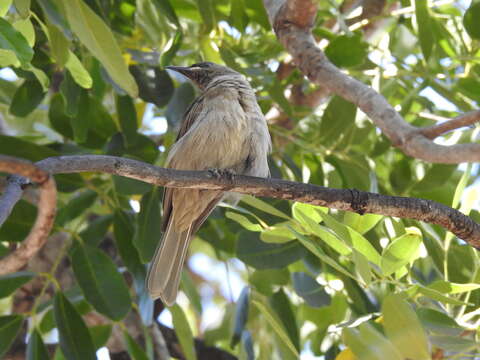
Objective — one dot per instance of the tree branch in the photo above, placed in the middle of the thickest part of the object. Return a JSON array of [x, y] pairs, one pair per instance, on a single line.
[[292, 21], [470, 118], [342, 199], [45, 216]]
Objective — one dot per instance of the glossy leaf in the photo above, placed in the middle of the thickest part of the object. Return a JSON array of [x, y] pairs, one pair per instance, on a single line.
[[276, 325], [98, 38], [310, 290], [470, 20], [74, 337], [9, 327], [11, 39], [400, 252], [184, 333], [241, 316], [18, 224], [127, 116], [425, 35], [347, 50], [36, 349], [147, 232], [101, 283], [281, 305], [262, 255], [27, 97], [11, 282], [404, 329]]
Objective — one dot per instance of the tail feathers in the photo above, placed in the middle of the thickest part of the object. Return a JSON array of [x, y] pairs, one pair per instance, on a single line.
[[165, 269]]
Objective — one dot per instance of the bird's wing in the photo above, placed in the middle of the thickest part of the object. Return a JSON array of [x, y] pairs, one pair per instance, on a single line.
[[190, 116]]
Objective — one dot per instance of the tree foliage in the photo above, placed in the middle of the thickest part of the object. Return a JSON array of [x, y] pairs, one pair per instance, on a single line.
[[90, 78]]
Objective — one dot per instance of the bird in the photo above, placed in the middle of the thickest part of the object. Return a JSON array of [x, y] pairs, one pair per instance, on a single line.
[[222, 129]]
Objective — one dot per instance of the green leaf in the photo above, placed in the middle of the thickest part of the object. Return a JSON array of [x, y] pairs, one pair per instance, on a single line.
[[310, 290], [432, 294], [168, 55], [53, 14], [127, 116], [82, 121], [241, 316], [166, 8], [74, 337], [99, 40], [76, 207], [347, 50], [78, 71], [448, 287], [276, 325], [19, 223], [337, 118], [190, 289], [438, 322], [315, 248], [4, 6], [276, 234], [265, 280], [280, 303], [96, 230], [436, 176], [401, 251], [100, 335], [461, 186], [9, 327], [101, 283], [27, 97], [262, 255], [127, 186], [147, 234], [301, 210], [323, 233], [424, 25], [36, 349], [369, 344], [353, 238], [243, 220], [404, 329], [470, 20], [10, 282], [59, 44], [263, 206], [124, 233], [207, 10], [135, 351], [11, 39], [23, 7], [361, 223], [184, 333]]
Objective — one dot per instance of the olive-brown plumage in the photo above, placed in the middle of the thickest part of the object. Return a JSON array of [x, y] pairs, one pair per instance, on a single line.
[[223, 128]]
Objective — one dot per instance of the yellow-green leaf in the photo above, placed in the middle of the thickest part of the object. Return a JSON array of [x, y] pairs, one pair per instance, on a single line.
[[98, 38], [403, 328]]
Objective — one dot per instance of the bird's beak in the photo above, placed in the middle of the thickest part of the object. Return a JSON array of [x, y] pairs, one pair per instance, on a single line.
[[188, 71]]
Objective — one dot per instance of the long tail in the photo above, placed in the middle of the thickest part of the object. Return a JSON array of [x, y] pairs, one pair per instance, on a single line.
[[165, 269]]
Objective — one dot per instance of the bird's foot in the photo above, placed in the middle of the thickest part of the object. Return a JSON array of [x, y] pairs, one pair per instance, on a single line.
[[222, 173]]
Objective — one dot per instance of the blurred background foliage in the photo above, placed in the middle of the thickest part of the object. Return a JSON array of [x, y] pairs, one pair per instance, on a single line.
[[266, 279]]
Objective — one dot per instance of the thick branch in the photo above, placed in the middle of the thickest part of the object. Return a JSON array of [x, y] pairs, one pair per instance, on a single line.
[[470, 118], [291, 21], [46, 211], [342, 199]]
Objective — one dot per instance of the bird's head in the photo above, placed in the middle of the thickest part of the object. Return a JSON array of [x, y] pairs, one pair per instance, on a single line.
[[203, 73]]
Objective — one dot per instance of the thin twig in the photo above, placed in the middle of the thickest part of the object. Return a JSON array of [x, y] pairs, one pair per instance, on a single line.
[[45, 216], [467, 119]]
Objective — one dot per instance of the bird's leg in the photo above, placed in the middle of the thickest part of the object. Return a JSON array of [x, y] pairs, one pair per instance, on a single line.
[[222, 173]]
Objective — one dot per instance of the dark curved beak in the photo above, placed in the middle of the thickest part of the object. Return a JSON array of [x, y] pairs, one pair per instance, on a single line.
[[185, 70]]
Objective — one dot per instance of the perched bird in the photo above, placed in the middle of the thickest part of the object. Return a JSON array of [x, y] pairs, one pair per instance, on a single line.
[[223, 128]]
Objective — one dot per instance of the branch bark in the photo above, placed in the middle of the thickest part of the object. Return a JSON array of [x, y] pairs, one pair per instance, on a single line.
[[342, 199], [45, 216], [470, 118], [292, 21]]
